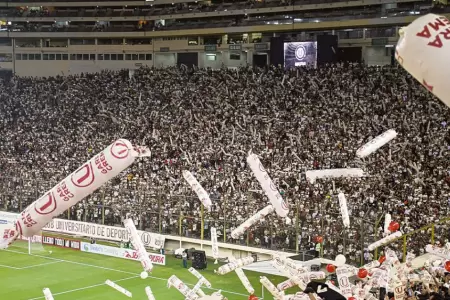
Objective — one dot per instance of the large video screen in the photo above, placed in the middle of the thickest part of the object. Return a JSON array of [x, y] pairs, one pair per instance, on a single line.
[[298, 54]]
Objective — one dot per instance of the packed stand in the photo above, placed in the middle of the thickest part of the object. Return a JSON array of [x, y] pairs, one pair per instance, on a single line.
[[206, 121]]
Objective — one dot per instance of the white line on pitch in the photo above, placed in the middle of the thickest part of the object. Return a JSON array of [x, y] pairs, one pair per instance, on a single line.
[[9, 267], [85, 288], [40, 265], [115, 270]]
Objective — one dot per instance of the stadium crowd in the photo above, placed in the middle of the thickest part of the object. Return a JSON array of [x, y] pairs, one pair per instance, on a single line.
[[206, 121]]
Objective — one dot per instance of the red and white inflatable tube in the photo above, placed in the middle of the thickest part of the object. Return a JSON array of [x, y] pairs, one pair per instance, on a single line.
[[84, 181]]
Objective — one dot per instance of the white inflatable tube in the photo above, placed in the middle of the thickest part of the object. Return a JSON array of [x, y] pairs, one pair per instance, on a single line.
[[119, 288], [84, 181], [387, 222], [422, 51], [198, 189], [287, 266], [299, 281], [269, 188], [197, 288], [181, 287], [344, 210], [307, 277], [298, 296], [286, 284], [231, 266], [214, 244], [47, 294], [138, 245], [385, 240], [245, 282], [199, 276], [239, 231], [278, 295], [312, 175], [149, 293], [376, 143], [243, 278]]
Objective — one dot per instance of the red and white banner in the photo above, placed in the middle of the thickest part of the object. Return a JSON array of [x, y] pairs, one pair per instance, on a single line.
[[157, 259]]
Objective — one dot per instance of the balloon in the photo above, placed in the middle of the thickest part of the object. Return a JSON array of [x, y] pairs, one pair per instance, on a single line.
[[447, 265], [382, 259], [320, 239], [340, 260], [395, 226], [351, 298], [362, 273], [331, 268]]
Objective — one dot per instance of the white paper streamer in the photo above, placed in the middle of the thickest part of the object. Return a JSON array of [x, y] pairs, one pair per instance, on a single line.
[[393, 259], [136, 241], [149, 293], [376, 143], [357, 291], [399, 290], [278, 295], [385, 240], [344, 282], [373, 264], [239, 231], [214, 244], [118, 288], [378, 279], [312, 175], [47, 294], [231, 266], [344, 210], [268, 186], [414, 277], [438, 251], [198, 189]]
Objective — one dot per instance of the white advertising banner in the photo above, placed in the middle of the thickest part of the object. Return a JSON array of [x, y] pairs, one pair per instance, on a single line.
[[157, 259], [96, 231]]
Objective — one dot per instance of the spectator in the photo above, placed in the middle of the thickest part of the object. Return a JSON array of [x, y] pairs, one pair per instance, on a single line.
[[207, 120]]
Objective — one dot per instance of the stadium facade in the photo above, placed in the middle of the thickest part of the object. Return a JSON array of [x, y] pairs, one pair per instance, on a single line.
[[71, 37]]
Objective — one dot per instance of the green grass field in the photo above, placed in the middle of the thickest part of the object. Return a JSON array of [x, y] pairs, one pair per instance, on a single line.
[[76, 275]]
